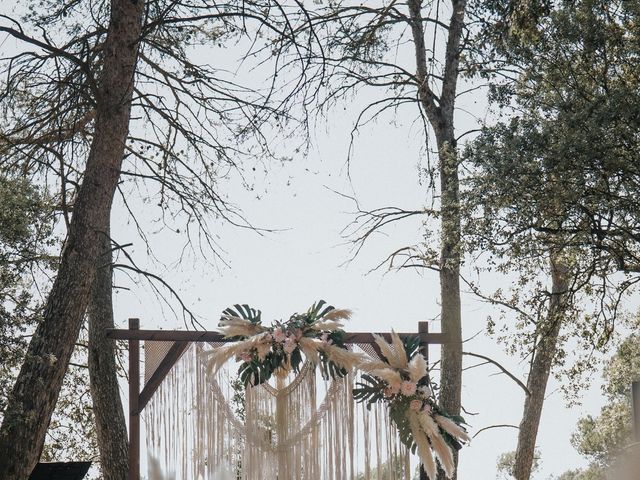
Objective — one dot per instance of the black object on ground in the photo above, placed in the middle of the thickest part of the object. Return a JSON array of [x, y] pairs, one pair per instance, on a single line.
[[60, 471]]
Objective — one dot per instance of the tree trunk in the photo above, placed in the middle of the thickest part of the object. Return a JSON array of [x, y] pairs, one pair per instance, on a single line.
[[103, 375], [440, 112], [451, 317], [32, 401], [545, 352]]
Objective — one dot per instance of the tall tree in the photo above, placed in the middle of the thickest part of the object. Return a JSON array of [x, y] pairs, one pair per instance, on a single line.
[[544, 187], [542, 360], [189, 133], [36, 390], [440, 113], [111, 429], [359, 50]]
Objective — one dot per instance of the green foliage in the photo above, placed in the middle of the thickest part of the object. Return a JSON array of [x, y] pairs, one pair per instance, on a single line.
[[602, 438], [23, 217], [27, 243], [25, 232], [392, 468], [590, 473], [411, 346], [561, 174], [329, 369], [259, 370], [507, 461], [370, 391], [245, 312], [317, 311], [398, 415], [373, 390]]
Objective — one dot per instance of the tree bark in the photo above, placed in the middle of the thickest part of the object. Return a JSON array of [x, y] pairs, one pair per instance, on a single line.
[[440, 113], [451, 316], [111, 428], [545, 352], [37, 387]]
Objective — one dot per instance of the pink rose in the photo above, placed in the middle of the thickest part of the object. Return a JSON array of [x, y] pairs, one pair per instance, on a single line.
[[415, 405], [279, 335], [427, 409], [391, 390], [408, 388], [290, 345], [245, 356]]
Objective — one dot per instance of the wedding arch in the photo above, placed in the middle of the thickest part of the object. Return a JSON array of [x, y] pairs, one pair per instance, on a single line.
[[291, 411]]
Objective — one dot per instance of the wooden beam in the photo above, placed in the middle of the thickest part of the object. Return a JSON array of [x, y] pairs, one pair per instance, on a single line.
[[172, 356], [134, 411], [209, 336]]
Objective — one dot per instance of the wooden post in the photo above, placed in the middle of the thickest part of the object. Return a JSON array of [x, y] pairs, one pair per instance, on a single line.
[[635, 396], [134, 396], [423, 332], [423, 328]]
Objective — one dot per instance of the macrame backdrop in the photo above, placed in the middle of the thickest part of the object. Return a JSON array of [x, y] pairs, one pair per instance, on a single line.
[[298, 427]]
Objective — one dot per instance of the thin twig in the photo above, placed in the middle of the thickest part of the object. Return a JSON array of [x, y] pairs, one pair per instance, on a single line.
[[504, 370]]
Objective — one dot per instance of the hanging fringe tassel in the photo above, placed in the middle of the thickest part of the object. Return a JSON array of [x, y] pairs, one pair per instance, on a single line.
[[300, 429]]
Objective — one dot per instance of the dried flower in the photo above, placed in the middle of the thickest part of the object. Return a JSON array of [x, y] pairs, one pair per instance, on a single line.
[[279, 335], [245, 356], [425, 391], [391, 390], [290, 345], [415, 405], [408, 388], [263, 350]]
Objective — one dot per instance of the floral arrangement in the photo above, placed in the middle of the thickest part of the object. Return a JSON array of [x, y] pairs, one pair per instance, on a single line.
[[400, 380], [278, 349]]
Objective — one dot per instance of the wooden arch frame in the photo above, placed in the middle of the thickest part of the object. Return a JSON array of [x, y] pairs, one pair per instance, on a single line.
[[181, 339]]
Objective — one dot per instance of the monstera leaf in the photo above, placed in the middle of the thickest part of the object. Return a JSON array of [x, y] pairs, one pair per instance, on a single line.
[[411, 345], [245, 312], [370, 391], [261, 367], [318, 310]]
